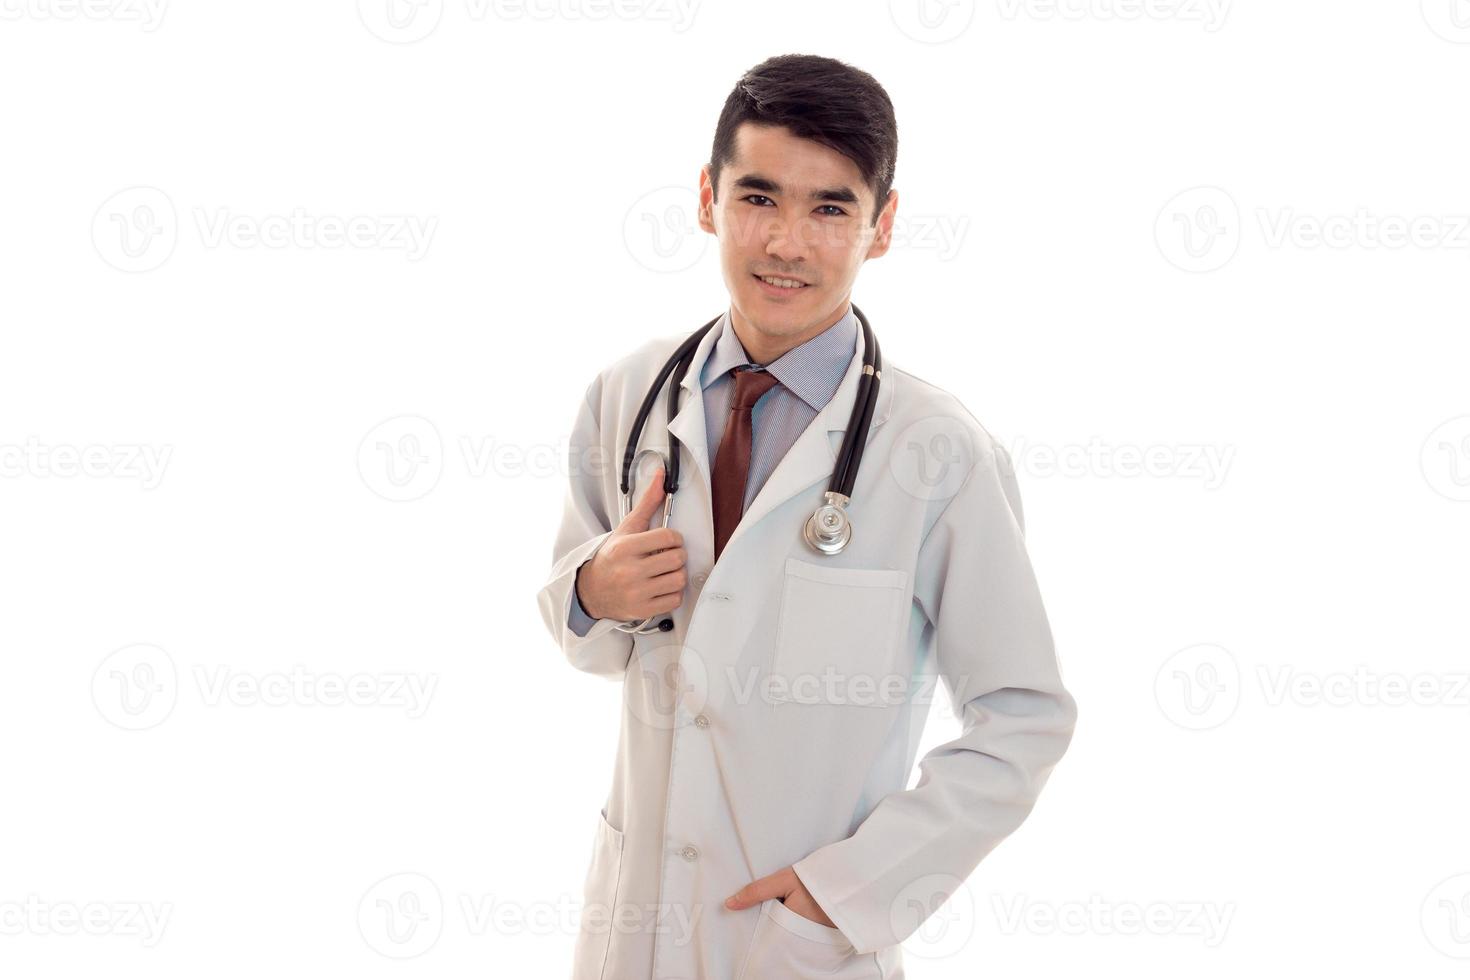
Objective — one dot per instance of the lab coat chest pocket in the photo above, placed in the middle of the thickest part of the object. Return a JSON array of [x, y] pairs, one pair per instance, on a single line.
[[598, 903], [838, 635]]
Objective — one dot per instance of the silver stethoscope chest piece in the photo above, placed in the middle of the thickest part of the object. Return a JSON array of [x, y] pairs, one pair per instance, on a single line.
[[829, 528]]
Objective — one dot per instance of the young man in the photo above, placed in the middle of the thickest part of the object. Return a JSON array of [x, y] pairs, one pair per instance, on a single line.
[[758, 825]]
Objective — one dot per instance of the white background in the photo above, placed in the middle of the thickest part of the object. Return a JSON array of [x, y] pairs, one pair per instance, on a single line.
[[1174, 231]]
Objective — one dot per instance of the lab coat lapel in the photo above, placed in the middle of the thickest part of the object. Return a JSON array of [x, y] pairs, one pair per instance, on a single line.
[[688, 426], [813, 456]]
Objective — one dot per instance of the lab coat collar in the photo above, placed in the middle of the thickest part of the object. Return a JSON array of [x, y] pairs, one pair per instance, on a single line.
[[810, 459], [811, 370]]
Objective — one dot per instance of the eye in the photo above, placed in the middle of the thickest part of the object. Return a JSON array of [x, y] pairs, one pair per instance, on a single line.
[[834, 208], [749, 196]]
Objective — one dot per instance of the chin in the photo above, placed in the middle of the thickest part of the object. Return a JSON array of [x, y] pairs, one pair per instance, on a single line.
[[781, 308], [772, 318]]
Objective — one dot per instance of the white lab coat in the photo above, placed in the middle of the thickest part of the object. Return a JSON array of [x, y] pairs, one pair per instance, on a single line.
[[778, 722]]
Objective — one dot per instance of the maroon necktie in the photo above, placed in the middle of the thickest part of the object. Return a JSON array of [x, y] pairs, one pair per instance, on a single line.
[[732, 460]]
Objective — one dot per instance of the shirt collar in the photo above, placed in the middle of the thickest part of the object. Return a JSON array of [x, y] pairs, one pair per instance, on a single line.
[[812, 370]]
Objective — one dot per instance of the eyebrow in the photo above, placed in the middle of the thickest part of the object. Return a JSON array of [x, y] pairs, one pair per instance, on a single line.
[[765, 185]]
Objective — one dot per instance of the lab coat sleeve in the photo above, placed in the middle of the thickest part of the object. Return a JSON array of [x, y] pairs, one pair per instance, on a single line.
[[585, 525], [994, 651]]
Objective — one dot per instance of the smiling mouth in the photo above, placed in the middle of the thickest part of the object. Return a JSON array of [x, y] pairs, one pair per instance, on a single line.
[[781, 282]]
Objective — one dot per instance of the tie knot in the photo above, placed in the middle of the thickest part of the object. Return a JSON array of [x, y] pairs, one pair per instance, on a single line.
[[749, 386]]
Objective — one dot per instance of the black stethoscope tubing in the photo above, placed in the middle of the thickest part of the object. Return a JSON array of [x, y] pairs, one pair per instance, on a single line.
[[844, 476]]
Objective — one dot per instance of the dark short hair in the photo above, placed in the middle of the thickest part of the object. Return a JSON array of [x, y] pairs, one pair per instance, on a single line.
[[820, 99]]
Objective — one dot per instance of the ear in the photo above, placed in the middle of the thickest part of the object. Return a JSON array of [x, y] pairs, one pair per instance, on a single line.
[[706, 213], [883, 232]]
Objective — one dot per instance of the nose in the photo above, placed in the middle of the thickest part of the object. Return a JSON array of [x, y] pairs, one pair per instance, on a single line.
[[786, 241]]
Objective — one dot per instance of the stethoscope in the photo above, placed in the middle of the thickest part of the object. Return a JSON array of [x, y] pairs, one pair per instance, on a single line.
[[829, 529]]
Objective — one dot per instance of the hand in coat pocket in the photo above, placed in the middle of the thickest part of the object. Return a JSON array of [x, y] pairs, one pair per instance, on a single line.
[[785, 886], [793, 938]]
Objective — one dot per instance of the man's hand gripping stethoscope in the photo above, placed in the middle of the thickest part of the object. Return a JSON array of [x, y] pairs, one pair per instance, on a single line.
[[638, 573]]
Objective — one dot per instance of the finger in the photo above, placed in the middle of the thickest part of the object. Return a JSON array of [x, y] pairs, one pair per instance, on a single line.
[[801, 902], [654, 540], [756, 892], [659, 562], [641, 516], [668, 584], [657, 605]]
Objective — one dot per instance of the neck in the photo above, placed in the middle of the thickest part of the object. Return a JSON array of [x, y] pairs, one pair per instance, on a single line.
[[763, 348]]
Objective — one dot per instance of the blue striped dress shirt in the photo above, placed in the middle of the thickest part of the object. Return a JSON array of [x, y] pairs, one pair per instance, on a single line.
[[808, 375]]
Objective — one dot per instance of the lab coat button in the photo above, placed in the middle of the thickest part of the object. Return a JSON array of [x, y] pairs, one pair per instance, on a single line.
[[701, 721], [700, 578], [689, 853]]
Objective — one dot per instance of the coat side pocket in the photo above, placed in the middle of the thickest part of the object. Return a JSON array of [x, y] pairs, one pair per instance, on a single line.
[[789, 946], [599, 899]]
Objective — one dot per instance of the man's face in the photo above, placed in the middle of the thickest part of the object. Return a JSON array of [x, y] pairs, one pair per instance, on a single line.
[[793, 209]]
